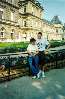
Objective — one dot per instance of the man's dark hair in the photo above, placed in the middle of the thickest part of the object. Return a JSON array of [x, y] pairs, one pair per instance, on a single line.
[[32, 40], [40, 33]]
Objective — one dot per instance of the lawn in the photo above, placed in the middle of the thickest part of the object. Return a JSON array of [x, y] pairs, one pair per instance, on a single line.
[[18, 45]]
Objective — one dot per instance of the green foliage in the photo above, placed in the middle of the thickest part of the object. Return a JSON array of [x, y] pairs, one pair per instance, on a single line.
[[18, 44], [13, 47], [56, 43], [22, 46]]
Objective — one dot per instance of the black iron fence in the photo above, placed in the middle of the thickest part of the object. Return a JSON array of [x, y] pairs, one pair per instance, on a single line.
[[13, 63], [55, 59]]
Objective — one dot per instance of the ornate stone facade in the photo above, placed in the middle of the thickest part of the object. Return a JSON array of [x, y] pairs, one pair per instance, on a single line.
[[22, 19]]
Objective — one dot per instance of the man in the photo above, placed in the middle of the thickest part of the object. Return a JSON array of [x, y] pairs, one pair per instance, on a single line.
[[43, 45], [33, 58]]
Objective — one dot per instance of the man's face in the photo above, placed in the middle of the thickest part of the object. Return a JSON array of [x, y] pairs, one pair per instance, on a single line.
[[39, 36]]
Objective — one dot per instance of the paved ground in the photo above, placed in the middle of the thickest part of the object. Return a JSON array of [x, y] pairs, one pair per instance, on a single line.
[[52, 87]]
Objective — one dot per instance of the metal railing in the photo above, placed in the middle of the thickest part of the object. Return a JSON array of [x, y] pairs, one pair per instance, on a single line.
[[9, 60], [54, 59]]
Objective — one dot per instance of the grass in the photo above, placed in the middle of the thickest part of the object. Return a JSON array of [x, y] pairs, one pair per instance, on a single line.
[[13, 47], [17, 45]]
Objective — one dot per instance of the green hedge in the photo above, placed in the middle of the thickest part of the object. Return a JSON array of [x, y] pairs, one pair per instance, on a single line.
[[56, 43], [13, 47], [22, 46]]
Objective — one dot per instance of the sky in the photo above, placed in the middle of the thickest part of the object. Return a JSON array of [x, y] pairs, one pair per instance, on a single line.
[[52, 8]]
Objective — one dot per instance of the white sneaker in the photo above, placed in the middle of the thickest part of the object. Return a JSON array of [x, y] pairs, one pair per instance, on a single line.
[[39, 74], [42, 74], [34, 77]]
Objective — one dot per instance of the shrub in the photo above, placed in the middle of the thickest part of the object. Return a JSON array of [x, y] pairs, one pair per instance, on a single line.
[[56, 43], [13, 47]]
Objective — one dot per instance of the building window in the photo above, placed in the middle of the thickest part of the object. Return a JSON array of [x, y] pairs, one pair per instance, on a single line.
[[57, 30], [12, 16], [2, 34], [32, 10], [12, 1], [1, 13], [24, 9], [12, 34], [25, 35], [24, 23], [32, 23]]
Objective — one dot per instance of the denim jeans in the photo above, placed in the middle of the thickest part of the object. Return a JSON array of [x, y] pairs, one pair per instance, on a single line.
[[34, 64]]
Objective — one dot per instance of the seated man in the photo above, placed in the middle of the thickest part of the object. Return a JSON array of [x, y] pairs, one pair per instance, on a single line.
[[33, 58]]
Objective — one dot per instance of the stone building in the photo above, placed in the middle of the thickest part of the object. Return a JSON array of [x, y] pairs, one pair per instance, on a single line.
[[8, 20], [22, 19], [58, 28], [30, 21]]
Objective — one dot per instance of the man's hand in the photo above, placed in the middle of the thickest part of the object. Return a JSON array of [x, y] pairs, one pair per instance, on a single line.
[[37, 52], [33, 53], [46, 51]]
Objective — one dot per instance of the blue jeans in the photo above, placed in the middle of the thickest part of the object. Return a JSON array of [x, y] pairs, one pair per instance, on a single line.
[[34, 64]]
